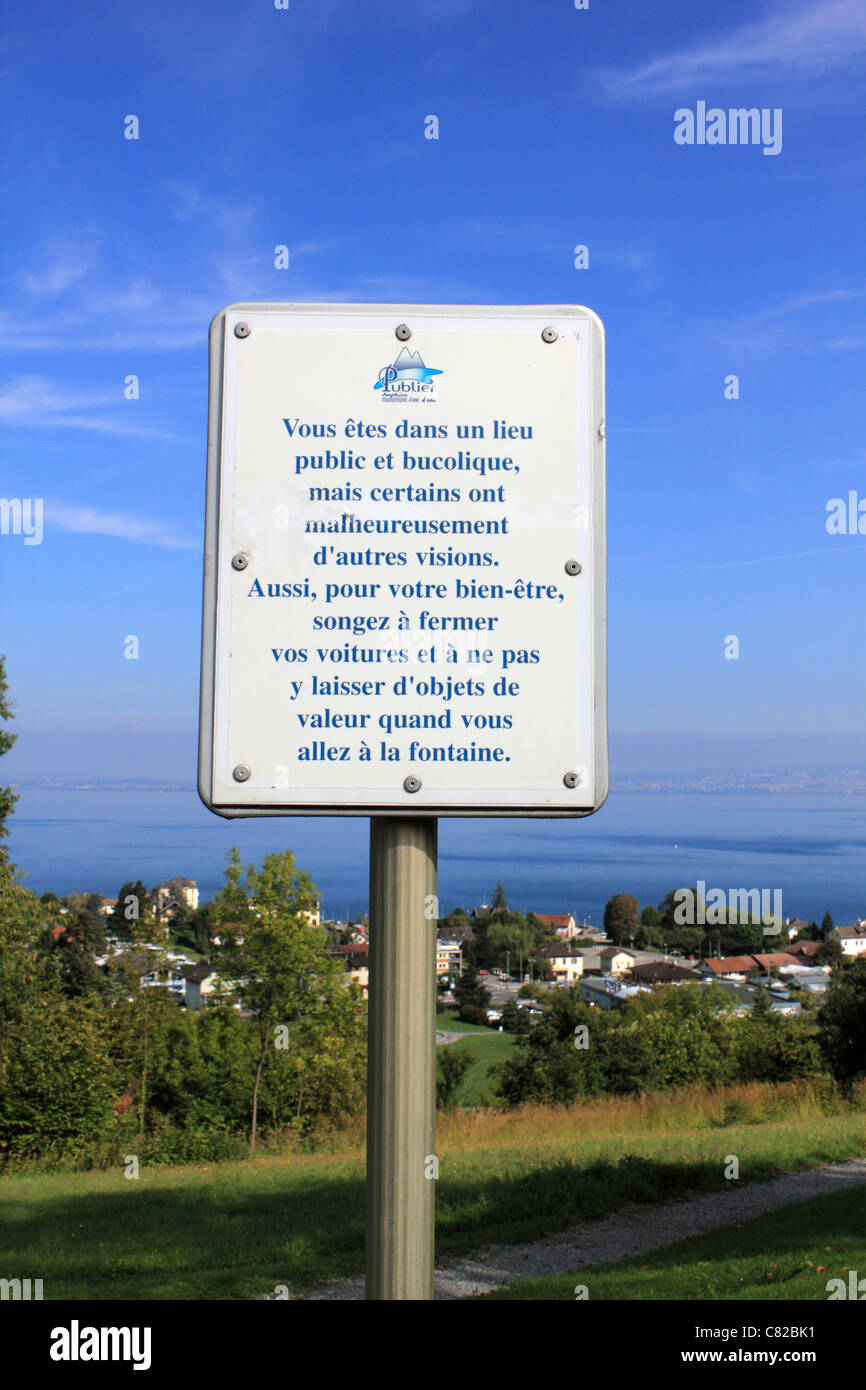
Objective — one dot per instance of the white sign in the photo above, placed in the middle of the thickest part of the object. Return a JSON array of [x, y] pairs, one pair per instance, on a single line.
[[404, 606]]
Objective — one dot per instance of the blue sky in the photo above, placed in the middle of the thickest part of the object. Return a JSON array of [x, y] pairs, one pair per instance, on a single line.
[[305, 127]]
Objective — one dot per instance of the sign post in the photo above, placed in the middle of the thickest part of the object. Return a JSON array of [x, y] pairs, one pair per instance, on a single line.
[[404, 618], [401, 1072]]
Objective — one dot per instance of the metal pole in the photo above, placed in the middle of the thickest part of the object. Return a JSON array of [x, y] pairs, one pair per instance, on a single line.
[[401, 1084]]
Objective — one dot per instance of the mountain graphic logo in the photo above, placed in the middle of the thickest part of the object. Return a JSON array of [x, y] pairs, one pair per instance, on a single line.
[[407, 366]]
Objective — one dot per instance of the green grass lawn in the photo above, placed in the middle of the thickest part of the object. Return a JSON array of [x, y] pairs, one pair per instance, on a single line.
[[487, 1046], [477, 1088], [450, 1023], [786, 1255], [235, 1230]]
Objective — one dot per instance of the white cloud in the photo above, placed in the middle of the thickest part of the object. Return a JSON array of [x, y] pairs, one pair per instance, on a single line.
[[846, 342], [59, 272], [232, 217], [90, 521], [794, 303], [34, 401], [779, 327], [807, 41]]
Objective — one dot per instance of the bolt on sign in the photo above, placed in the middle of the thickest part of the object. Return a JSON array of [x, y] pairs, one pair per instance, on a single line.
[[404, 599]]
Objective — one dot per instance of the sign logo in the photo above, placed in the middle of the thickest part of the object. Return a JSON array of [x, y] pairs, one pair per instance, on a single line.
[[407, 379]]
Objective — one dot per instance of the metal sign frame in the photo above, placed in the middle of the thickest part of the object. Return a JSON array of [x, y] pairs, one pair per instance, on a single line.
[[227, 332]]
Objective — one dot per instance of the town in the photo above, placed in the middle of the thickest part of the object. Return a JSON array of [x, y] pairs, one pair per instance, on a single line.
[[166, 938]]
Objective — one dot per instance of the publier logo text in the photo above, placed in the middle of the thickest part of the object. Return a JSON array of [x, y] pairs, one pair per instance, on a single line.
[[407, 379]]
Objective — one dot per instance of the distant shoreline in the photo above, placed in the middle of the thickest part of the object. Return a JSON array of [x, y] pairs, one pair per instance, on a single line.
[[847, 782]]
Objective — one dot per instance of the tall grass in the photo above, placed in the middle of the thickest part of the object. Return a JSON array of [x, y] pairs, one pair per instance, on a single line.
[[690, 1108], [686, 1110]]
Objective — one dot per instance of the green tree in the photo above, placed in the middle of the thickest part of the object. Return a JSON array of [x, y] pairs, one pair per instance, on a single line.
[[8, 798], [687, 1032], [544, 1065], [181, 930], [669, 906], [509, 941], [689, 940], [202, 927], [478, 950], [515, 1020], [280, 970], [842, 1023], [621, 918], [232, 902], [322, 1074], [200, 1071], [773, 1047], [452, 1064], [827, 925], [457, 924], [59, 1083], [470, 994], [762, 1007], [28, 983], [830, 953], [141, 1015], [132, 908], [500, 902], [82, 937]]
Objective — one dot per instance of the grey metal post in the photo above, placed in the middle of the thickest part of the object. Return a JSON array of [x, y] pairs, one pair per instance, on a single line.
[[401, 1084]]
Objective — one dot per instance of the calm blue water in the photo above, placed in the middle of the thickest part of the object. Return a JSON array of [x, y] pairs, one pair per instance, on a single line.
[[813, 847]]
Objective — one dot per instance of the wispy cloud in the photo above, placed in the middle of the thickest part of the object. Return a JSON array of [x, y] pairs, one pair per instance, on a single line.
[[795, 302], [746, 482], [60, 272], [845, 342], [170, 323], [137, 312], [34, 401], [88, 521], [393, 152], [231, 217], [28, 397], [779, 327], [807, 41]]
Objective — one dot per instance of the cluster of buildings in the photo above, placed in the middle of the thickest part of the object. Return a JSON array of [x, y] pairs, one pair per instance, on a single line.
[[164, 897], [605, 974]]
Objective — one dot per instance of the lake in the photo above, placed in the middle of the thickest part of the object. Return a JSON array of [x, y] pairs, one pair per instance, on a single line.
[[812, 847]]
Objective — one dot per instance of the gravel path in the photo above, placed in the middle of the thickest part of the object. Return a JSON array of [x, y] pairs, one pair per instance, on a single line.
[[630, 1230]]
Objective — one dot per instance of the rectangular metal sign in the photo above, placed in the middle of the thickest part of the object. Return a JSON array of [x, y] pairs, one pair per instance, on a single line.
[[404, 598]]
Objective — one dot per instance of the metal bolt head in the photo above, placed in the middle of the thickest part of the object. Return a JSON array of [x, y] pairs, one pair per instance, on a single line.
[[240, 562], [573, 567], [571, 779], [412, 784], [241, 773], [242, 330], [403, 331], [549, 335]]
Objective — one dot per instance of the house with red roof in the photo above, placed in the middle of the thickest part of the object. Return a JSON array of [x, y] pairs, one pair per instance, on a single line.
[[563, 923]]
